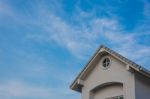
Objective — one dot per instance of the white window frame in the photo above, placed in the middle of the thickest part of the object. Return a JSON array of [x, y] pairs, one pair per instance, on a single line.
[[107, 64]]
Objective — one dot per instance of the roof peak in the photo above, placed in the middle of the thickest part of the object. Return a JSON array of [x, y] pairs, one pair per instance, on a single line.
[[124, 58], [131, 64]]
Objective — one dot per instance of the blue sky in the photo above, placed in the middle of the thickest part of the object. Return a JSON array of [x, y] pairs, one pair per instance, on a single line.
[[45, 43]]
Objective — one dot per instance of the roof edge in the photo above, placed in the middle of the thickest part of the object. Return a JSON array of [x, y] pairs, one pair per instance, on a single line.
[[73, 83], [124, 59]]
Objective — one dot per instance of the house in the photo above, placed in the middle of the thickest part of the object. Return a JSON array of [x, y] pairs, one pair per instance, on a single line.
[[109, 75]]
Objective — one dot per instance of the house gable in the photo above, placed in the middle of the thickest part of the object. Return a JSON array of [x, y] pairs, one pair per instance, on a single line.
[[99, 75], [103, 51], [108, 82]]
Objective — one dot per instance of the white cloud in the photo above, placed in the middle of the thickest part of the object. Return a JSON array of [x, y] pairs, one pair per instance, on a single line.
[[82, 38], [143, 28], [78, 39], [5, 9], [147, 8], [86, 31], [19, 89]]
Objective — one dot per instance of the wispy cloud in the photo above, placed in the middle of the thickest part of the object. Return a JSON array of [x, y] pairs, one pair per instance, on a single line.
[[18, 89], [89, 31], [77, 38], [146, 8], [79, 33], [144, 26], [85, 32], [5, 9]]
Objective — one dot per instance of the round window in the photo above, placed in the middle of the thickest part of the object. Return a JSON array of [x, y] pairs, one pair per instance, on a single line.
[[106, 63]]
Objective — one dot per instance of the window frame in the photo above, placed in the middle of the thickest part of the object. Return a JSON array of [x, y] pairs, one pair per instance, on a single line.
[[116, 97], [107, 64]]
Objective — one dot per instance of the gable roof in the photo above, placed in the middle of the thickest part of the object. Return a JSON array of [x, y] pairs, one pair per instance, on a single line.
[[77, 83]]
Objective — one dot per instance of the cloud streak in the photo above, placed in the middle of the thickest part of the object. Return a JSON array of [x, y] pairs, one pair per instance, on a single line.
[[17, 89], [82, 38], [79, 33]]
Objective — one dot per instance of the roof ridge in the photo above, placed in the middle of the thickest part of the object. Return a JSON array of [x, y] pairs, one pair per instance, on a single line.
[[125, 58], [132, 64]]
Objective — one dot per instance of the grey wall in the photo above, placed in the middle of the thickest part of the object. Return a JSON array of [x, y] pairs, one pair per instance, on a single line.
[[142, 87]]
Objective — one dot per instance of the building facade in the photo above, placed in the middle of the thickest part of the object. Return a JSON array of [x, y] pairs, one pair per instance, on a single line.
[[109, 75]]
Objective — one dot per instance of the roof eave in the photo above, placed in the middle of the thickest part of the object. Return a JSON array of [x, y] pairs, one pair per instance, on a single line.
[[75, 86]]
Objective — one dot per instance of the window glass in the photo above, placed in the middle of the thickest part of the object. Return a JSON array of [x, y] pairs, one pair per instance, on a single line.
[[106, 62], [117, 97]]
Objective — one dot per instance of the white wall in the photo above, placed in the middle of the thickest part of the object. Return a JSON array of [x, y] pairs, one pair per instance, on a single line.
[[109, 91], [116, 73]]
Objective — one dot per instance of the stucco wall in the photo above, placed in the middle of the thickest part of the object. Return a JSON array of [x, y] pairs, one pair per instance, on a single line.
[[142, 87], [108, 91], [116, 73]]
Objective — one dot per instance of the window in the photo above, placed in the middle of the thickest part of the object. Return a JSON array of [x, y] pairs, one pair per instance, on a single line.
[[106, 63], [117, 97]]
